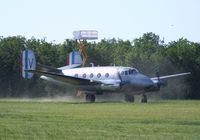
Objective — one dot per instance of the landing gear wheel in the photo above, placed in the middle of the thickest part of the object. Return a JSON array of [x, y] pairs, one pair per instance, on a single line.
[[90, 98], [129, 98], [144, 98]]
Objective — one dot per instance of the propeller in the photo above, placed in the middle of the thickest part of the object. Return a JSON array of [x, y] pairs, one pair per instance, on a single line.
[[158, 78], [160, 81], [158, 75]]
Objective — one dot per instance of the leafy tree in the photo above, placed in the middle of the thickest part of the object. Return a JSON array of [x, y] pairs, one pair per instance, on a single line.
[[10, 49], [186, 55]]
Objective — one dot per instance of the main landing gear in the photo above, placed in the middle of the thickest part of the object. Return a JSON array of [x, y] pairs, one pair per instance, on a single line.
[[144, 98], [130, 98], [90, 98]]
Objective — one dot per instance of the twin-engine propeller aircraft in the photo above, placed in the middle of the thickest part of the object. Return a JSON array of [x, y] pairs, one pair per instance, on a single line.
[[96, 80]]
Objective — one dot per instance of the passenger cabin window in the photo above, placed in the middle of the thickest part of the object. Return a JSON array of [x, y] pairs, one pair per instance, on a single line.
[[76, 75], [107, 75], [126, 72], [91, 75], [84, 75], [99, 75]]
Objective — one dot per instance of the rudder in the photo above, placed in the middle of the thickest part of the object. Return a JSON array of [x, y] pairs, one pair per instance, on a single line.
[[28, 62], [74, 58]]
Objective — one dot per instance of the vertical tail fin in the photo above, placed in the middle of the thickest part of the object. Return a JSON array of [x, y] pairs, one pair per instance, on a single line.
[[28, 62], [74, 58]]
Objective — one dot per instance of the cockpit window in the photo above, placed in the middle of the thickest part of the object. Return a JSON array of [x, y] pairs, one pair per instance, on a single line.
[[126, 72], [132, 71], [129, 72], [135, 70]]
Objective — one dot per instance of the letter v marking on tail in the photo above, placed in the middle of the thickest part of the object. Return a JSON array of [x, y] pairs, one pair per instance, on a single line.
[[30, 62]]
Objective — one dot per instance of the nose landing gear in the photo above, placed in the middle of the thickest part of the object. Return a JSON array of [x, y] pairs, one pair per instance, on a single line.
[[90, 98]]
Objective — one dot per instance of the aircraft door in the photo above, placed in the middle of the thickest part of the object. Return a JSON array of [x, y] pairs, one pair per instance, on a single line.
[[124, 76]]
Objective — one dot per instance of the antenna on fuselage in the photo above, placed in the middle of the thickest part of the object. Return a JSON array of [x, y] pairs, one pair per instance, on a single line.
[[81, 36]]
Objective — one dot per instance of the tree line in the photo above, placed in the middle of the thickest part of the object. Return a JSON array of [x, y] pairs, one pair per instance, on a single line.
[[147, 53]]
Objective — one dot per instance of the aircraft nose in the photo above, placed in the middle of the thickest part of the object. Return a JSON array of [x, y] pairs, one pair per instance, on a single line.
[[146, 81]]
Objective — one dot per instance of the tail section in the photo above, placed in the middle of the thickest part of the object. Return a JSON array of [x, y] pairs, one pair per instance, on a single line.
[[74, 58], [28, 62]]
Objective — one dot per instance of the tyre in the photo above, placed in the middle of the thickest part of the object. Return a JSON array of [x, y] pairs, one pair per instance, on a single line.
[[90, 98], [129, 98]]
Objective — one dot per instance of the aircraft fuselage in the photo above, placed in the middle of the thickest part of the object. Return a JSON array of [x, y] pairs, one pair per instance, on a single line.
[[112, 79]]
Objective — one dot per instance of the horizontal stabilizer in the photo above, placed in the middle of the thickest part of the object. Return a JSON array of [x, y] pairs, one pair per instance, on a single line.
[[41, 67]]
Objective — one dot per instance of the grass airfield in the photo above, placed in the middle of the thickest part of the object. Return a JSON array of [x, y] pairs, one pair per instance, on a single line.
[[38, 119]]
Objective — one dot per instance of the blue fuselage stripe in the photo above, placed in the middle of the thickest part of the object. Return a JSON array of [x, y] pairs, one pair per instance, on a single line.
[[26, 63], [73, 54]]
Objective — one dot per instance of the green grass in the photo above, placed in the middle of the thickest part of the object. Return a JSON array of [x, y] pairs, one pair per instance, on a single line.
[[60, 120]]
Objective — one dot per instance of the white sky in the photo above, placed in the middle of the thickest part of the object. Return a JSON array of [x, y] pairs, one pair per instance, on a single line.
[[124, 19]]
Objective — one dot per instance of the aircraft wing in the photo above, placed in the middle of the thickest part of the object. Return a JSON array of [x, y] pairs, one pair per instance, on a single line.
[[171, 76], [67, 79]]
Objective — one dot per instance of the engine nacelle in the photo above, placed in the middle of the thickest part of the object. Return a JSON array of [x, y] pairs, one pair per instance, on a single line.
[[110, 87], [155, 87]]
